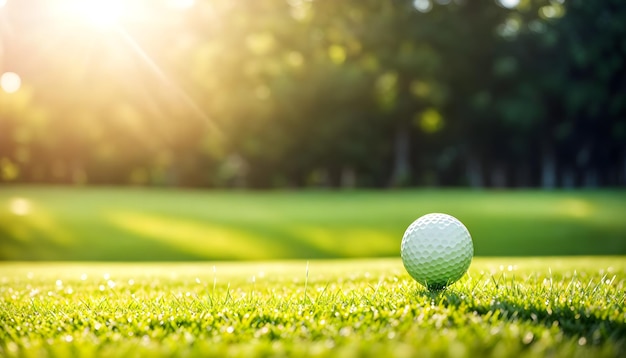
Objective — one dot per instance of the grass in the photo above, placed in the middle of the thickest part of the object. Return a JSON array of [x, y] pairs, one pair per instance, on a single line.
[[126, 224], [524, 307], [506, 306]]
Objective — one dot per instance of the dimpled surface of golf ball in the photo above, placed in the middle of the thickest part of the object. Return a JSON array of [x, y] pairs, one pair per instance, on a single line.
[[436, 250]]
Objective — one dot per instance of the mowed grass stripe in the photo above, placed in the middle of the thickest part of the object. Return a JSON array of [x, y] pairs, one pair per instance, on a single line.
[[131, 224], [559, 307]]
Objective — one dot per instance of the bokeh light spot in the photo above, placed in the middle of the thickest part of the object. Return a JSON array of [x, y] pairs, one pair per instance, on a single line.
[[509, 4], [420, 89], [260, 43], [510, 28], [20, 206], [552, 11], [430, 121], [10, 81], [422, 5], [294, 59], [8, 170], [299, 9], [337, 54]]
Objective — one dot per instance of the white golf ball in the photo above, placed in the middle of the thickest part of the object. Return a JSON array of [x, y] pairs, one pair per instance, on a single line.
[[436, 250]]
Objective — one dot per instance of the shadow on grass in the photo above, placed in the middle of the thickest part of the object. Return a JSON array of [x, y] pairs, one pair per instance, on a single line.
[[12, 248], [572, 321], [26, 239]]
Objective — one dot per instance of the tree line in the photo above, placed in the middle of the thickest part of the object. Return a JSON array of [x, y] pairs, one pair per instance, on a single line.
[[300, 93]]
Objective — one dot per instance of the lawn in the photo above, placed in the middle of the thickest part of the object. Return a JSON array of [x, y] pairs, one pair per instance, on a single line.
[[505, 307], [134, 224]]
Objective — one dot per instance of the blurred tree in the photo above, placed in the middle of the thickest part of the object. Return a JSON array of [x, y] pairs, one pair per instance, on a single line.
[[277, 93], [24, 128], [565, 95]]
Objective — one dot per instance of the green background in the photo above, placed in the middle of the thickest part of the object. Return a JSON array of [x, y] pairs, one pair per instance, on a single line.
[[135, 224]]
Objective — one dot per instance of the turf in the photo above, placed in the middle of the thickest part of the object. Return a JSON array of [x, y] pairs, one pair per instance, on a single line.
[[134, 224], [523, 307]]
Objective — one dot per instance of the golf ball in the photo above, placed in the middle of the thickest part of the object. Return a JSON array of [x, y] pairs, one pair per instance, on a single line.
[[436, 250]]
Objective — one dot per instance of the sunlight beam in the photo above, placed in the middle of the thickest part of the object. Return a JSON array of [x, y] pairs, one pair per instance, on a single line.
[[165, 79]]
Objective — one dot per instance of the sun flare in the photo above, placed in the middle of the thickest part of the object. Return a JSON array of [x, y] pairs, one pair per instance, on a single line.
[[97, 13]]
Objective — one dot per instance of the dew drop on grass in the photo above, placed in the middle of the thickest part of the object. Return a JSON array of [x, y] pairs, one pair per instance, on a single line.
[[345, 331], [145, 340], [261, 332]]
